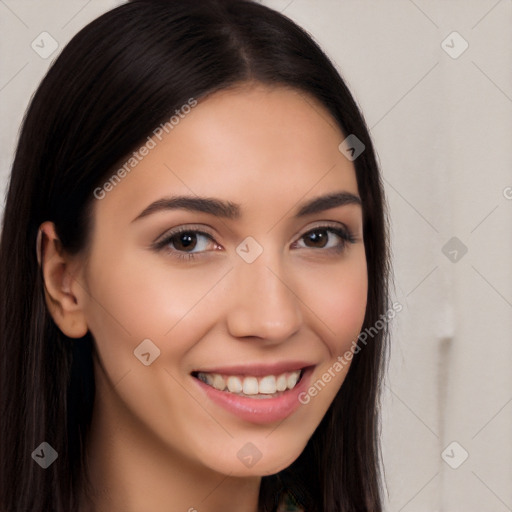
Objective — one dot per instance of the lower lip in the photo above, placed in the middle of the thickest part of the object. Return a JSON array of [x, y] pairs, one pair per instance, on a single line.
[[259, 410]]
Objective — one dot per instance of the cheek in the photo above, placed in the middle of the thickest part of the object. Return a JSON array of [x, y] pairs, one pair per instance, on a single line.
[[147, 295], [338, 300], [134, 298], [347, 311]]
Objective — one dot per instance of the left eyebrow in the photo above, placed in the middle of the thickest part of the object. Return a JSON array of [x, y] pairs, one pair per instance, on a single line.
[[229, 210], [322, 203]]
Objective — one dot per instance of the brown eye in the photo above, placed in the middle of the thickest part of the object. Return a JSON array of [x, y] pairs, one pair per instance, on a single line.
[[329, 238], [318, 238], [184, 241]]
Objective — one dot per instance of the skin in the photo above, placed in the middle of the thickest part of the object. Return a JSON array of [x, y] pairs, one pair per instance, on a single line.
[[157, 443]]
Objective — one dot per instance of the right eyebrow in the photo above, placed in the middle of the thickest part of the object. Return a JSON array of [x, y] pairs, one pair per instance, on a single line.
[[209, 205]]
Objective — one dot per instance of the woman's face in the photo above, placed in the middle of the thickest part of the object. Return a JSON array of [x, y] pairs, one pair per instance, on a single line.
[[256, 288]]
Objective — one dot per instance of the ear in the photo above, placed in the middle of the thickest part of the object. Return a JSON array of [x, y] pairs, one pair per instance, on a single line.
[[63, 293]]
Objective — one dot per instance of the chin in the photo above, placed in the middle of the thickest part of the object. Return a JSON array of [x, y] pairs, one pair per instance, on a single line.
[[253, 459]]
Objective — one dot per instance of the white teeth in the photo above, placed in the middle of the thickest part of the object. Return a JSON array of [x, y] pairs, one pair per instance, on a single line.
[[250, 386], [267, 385], [282, 383], [234, 384], [218, 382], [292, 380]]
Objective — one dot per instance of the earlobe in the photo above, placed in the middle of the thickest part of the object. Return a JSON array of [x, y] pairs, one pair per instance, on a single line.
[[62, 290]]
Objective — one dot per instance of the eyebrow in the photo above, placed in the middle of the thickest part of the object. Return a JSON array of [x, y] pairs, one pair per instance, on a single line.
[[232, 211]]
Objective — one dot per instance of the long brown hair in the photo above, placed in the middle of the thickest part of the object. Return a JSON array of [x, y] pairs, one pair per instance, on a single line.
[[119, 77]]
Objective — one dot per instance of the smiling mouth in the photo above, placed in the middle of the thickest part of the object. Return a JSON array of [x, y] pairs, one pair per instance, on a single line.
[[267, 386]]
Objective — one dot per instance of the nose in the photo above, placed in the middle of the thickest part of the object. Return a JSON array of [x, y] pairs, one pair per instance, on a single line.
[[262, 302]]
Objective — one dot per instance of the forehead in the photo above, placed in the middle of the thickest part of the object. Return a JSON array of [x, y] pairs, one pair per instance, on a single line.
[[251, 145]]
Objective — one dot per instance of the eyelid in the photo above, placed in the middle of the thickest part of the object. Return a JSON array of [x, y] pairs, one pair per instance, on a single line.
[[196, 228], [325, 224]]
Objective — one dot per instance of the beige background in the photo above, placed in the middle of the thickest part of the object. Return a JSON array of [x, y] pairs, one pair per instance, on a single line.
[[443, 130]]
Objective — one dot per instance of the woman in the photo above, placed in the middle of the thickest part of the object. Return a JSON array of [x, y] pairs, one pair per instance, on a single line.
[[194, 237]]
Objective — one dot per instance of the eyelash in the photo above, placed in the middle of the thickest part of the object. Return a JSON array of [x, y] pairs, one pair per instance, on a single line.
[[344, 234]]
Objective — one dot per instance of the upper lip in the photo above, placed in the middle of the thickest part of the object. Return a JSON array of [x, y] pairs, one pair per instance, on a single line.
[[257, 370]]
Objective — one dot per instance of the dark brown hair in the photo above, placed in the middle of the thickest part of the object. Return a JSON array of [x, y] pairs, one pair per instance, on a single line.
[[116, 80]]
